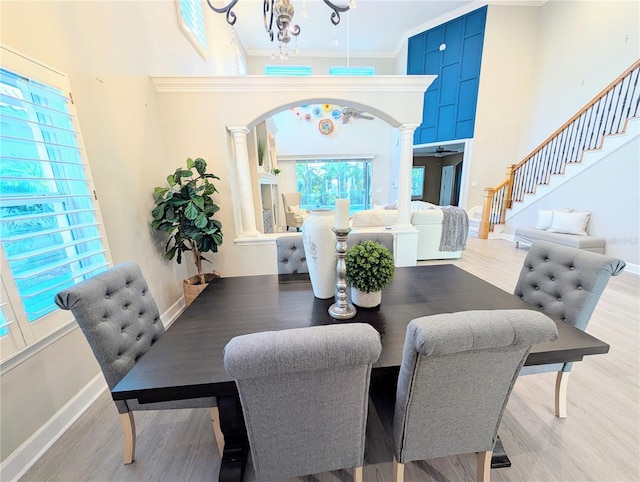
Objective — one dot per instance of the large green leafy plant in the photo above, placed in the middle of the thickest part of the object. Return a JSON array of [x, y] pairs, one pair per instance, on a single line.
[[184, 210], [369, 266]]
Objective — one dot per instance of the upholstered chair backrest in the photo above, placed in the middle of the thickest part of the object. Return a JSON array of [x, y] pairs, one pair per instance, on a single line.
[[456, 375], [117, 315], [291, 256], [385, 239], [291, 199], [565, 282], [304, 396]]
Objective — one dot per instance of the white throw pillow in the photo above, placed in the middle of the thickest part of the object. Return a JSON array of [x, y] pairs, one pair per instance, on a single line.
[[544, 218], [570, 223], [379, 206], [295, 209]]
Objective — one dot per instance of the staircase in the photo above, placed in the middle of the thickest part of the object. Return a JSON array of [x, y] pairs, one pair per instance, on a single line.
[[607, 115]]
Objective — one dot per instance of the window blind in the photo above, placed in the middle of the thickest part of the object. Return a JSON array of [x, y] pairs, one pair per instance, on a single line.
[[192, 22], [49, 229]]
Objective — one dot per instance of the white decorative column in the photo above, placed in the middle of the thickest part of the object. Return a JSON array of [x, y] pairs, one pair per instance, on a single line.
[[406, 235], [404, 176], [239, 134]]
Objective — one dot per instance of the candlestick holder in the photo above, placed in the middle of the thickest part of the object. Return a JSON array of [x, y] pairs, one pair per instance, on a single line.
[[341, 309]]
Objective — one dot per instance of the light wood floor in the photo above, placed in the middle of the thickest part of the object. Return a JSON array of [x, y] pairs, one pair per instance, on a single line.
[[599, 441]]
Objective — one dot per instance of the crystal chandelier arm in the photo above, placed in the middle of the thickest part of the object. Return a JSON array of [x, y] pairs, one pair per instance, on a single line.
[[231, 16], [335, 16]]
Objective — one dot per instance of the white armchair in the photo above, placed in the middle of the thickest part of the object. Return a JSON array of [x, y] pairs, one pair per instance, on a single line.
[[294, 215]]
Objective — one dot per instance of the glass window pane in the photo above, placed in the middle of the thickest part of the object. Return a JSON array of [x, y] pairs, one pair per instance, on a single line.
[[322, 182], [48, 224]]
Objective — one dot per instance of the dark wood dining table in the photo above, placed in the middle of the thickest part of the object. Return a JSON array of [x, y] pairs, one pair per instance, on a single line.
[[187, 361]]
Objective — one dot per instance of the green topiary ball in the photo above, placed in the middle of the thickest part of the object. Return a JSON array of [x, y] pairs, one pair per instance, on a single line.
[[369, 266]]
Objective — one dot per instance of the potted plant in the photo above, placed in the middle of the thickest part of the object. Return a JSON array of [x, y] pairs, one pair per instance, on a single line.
[[184, 210], [369, 269], [261, 151]]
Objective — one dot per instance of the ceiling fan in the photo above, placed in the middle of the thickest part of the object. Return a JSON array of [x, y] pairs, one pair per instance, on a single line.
[[349, 113], [440, 152]]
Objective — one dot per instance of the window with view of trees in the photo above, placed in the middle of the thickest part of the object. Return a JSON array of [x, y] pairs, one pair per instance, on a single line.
[[321, 182], [50, 227]]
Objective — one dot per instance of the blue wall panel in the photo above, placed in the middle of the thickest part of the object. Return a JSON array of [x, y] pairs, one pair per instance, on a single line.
[[450, 101]]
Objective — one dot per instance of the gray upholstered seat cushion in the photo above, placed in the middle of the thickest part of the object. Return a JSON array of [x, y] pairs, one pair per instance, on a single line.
[[589, 243], [291, 256], [304, 395], [120, 320], [456, 375]]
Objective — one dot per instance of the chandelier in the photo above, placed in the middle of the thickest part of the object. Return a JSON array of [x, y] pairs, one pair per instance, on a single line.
[[279, 13]]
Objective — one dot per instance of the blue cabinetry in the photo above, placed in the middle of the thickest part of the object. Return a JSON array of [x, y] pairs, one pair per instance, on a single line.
[[453, 52]]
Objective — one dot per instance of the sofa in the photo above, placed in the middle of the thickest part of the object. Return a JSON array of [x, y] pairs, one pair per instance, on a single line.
[[427, 218]]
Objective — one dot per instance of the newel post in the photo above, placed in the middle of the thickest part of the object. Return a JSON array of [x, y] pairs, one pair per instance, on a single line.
[[511, 174], [485, 222]]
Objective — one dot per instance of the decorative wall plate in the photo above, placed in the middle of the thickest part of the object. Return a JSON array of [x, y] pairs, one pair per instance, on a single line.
[[325, 126]]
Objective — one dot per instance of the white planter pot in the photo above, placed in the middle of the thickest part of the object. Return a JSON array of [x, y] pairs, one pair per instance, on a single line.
[[365, 300], [320, 250]]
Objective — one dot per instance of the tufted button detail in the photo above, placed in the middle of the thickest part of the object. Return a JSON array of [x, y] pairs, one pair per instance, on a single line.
[[124, 307], [294, 248], [559, 298], [541, 307], [564, 318], [546, 259], [572, 268], [530, 268], [522, 297], [536, 288], [553, 278], [139, 336], [580, 287]]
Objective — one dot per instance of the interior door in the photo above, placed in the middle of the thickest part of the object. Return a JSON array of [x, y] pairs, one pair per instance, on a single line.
[[446, 185]]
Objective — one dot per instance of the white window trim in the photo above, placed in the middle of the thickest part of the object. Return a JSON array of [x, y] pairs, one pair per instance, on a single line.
[[59, 323], [186, 30]]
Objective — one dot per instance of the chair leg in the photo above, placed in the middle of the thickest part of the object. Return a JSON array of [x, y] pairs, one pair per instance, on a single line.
[[483, 473], [357, 474], [215, 419], [129, 432], [398, 470], [562, 379]]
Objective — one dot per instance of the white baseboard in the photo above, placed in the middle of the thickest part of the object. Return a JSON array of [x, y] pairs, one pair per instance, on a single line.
[[21, 460]]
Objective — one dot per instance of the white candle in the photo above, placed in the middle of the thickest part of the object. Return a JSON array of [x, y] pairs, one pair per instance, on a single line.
[[342, 214]]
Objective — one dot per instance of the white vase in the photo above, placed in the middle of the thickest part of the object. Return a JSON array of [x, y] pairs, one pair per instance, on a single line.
[[320, 250], [365, 300]]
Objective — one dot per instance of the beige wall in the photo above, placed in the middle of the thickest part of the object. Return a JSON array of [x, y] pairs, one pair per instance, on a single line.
[[580, 48], [505, 85], [108, 49], [540, 65]]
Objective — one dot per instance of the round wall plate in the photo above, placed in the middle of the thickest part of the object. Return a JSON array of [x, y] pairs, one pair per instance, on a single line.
[[325, 126]]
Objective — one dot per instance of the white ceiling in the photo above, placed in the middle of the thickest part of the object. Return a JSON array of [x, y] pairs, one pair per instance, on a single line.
[[376, 28]]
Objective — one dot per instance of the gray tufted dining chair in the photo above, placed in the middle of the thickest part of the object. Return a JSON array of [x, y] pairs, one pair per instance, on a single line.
[[120, 320], [291, 255], [457, 372], [566, 283], [304, 395]]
